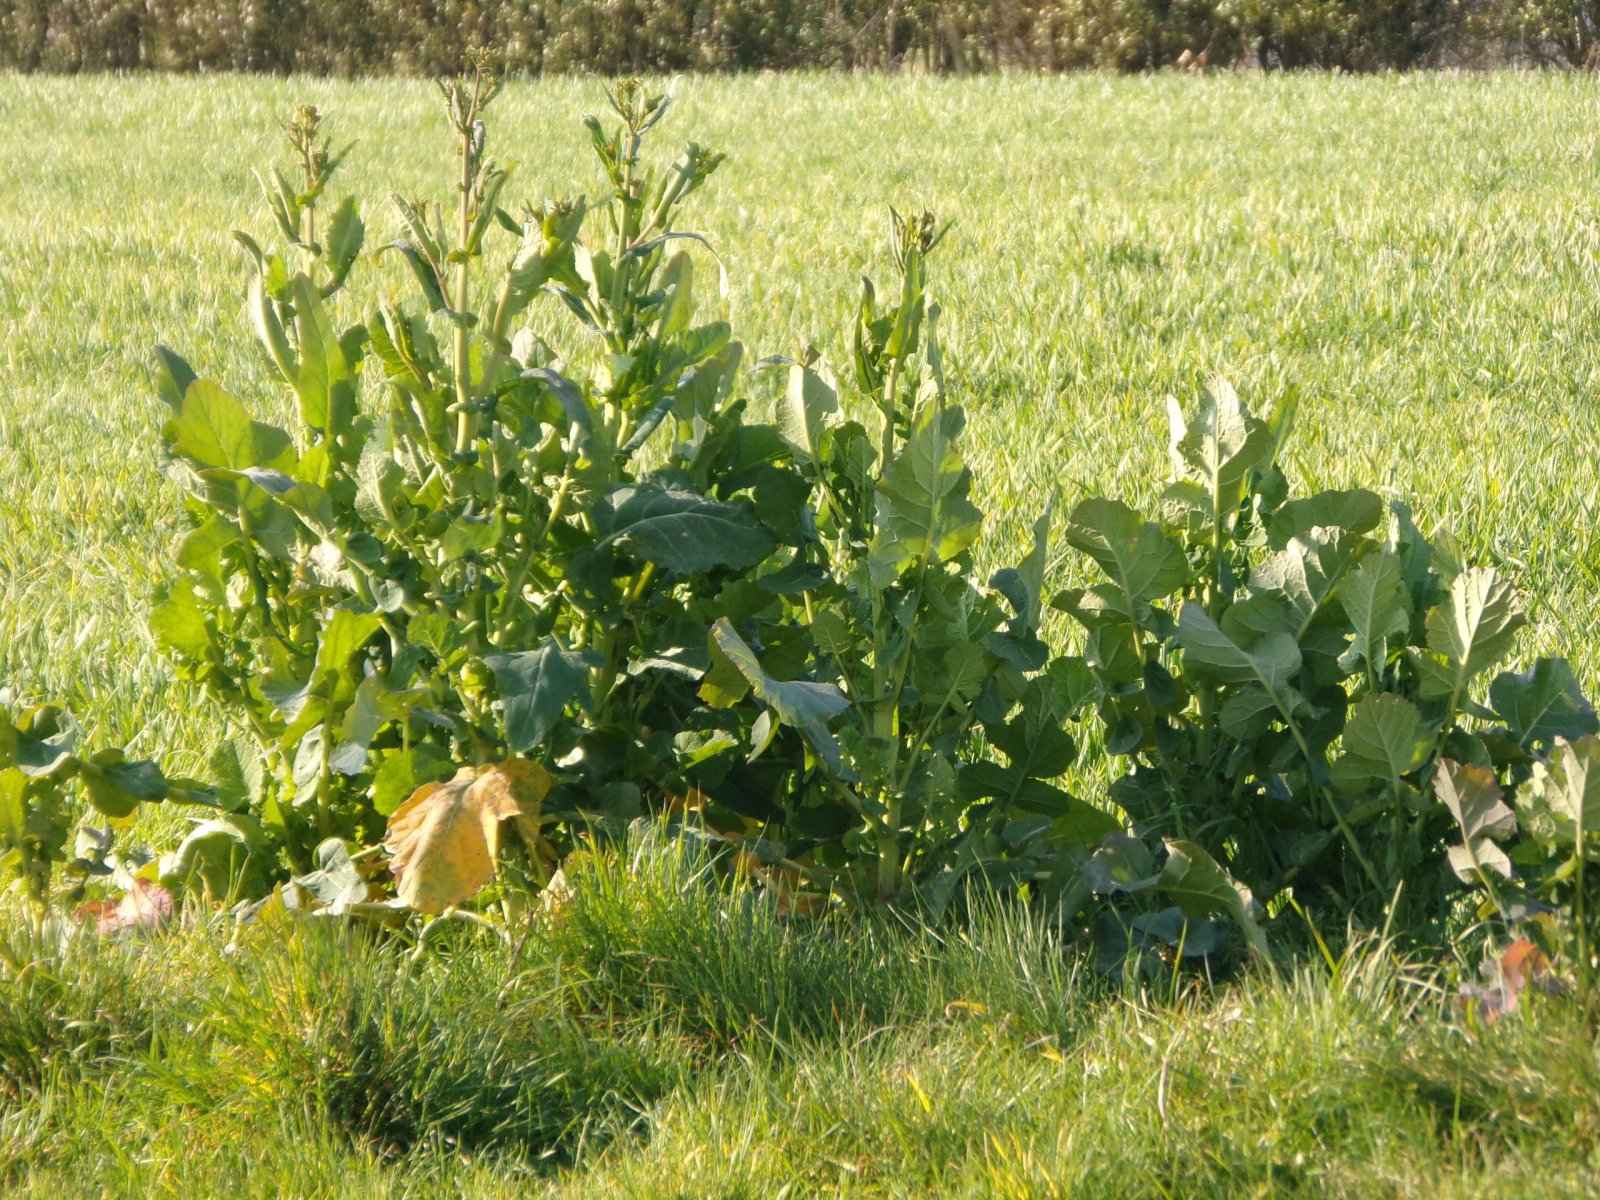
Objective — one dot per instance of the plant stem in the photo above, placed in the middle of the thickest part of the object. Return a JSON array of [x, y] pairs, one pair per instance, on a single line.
[[462, 364], [1578, 916], [886, 433]]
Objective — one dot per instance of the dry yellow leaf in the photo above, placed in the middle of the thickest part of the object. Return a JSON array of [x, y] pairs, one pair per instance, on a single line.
[[444, 840]]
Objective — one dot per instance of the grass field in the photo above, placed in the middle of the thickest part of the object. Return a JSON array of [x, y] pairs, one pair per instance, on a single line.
[[665, 1039], [1418, 256]]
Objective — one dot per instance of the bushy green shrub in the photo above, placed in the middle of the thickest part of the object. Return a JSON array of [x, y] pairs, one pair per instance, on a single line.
[[1295, 683], [44, 775], [475, 545]]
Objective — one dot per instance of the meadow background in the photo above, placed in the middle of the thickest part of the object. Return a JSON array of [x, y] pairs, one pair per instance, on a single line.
[[1415, 256]]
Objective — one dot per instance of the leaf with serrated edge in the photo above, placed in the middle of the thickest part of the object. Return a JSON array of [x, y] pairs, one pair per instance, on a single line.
[[1473, 796], [808, 404], [1373, 598], [535, 688], [1307, 571], [1199, 886], [1470, 631], [922, 510], [1542, 703], [1218, 446], [1383, 741], [684, 531], [1144, 561], [1569, 784], [444, 840], [1271, 661]]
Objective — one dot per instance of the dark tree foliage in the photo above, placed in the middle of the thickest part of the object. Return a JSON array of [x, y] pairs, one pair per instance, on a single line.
[[615, 37]]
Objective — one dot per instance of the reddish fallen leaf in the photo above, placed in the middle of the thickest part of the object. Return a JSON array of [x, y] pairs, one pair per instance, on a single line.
[[1522, 963], [147, 906], [1521, 966]]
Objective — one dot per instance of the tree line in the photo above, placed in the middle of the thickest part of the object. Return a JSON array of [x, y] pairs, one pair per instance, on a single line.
[[426, 37]]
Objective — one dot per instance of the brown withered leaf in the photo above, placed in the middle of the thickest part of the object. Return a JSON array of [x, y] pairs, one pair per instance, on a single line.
[[146, 906], [444, 840]]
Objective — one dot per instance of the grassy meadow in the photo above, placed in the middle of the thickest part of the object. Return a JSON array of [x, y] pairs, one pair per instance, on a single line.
[[1417, 257]]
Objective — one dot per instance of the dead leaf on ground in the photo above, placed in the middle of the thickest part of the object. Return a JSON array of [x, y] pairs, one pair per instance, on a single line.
[[445, 839]]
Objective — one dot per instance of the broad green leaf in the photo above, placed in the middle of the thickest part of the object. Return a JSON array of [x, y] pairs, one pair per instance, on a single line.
[[236, 774], [797, 702], [535, 688], [373, 707], [1250, 711], [427, 278], [1357, 511], [922, 510], [228, 858], [1198, 885], [1306, 572], [180, 625], [1469, 632], [269, 327], [809, 402], [401, 772], [1144, 561], [1034, 741], [1073, 819], [200, 549], [1122, 863], [345, 236], [1271, 661], [1569, 786], [1251, 618], [1383, 741], [1481, 854], [336, 883], [1218, 446], [213, 429], [474, 534], [343, 636], [117, 787], [1542, 703], [444, 841], [1198, 938], [1473, 796], [13, 808], [804, 705], [46, 736], [677, 283], [324, 385], [173, 377], [684, 531], [699, 397], [1374, 600], [1023, 585]]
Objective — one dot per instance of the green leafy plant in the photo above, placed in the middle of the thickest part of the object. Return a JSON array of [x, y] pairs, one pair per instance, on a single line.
[[41, 772], [473, 547], [1285, 675], [889, 660], [1532, 861]]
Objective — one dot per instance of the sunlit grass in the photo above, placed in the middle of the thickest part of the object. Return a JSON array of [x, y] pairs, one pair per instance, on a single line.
[[662, 1036]]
